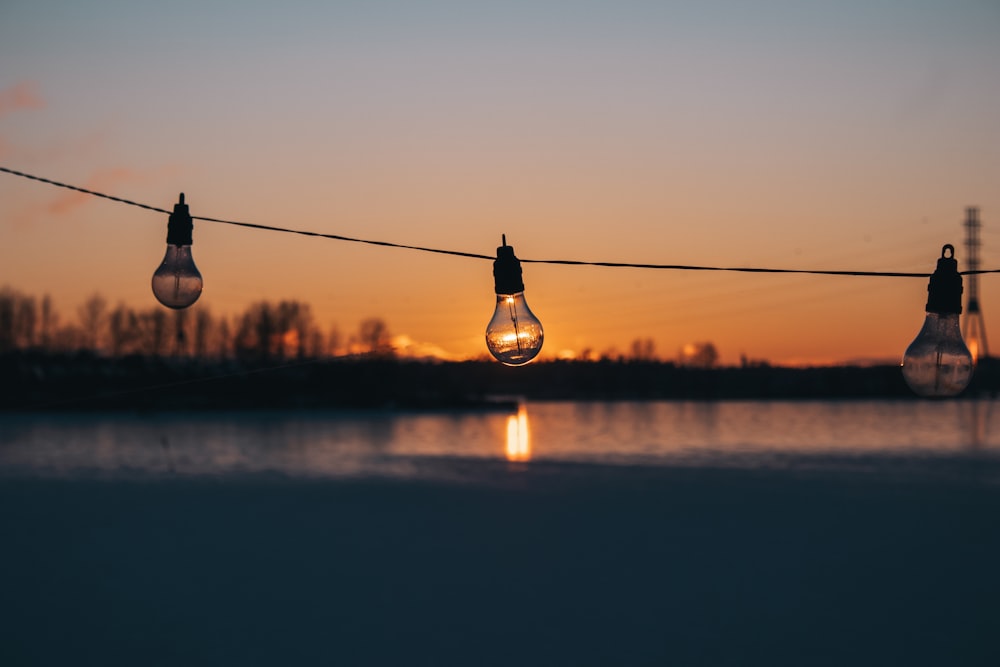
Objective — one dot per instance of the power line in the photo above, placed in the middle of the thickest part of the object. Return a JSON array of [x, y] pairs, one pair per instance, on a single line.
[[335, 237], [457, 253], [83, 190]]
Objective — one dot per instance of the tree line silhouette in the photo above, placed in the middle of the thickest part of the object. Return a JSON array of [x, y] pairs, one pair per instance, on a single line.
[[263, 331], [276, 356]]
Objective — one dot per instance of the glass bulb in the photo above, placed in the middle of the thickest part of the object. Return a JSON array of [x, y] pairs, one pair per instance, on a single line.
[[177, 283], [514, 335], [937, 362]]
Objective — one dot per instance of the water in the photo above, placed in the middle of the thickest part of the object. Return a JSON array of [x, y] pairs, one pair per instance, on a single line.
[[682, 533], [339, 444]]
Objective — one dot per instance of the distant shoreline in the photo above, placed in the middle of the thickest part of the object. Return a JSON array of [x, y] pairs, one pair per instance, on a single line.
[[86, 381]]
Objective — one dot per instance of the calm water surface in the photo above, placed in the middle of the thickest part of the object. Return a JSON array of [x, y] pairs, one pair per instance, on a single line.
[[339, 444], [730, 533]]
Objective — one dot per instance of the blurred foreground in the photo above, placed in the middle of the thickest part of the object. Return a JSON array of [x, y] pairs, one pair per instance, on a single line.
[[498, 563]]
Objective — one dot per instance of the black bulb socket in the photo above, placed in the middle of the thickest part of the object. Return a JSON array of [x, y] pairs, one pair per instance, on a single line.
[[507, 271], [944, 291], [181, 225]]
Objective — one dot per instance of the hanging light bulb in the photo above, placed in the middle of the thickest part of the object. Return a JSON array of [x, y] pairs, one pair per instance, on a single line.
[[177, 283], [514, 335], [937, 362]]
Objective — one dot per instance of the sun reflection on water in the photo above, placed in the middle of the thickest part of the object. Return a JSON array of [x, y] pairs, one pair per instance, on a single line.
[[518, 442], [340, 444]]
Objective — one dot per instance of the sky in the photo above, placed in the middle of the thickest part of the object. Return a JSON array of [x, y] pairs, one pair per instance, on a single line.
[[809, 135]]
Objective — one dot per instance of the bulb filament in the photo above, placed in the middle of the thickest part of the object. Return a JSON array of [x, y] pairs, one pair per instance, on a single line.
[[513, 317], [937, 375]]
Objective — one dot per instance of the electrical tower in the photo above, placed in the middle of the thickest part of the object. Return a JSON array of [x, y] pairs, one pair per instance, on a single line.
[[973, 327]]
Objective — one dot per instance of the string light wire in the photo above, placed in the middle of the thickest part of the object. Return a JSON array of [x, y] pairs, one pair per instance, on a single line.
[[472, 255]]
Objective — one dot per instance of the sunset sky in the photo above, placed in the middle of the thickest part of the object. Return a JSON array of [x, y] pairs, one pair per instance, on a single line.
[[815, 135]]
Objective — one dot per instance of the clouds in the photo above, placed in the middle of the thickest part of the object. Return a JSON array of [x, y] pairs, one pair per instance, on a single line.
[[101, 180], [26, 96], [64, 202], [407, 348], [21, 96]]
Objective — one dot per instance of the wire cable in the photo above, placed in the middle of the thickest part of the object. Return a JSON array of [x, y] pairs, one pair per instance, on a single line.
[[472, 255]]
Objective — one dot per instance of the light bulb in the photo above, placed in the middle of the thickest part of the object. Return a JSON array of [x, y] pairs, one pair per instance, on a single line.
[[177, 282], [937, 362], [514, 335]]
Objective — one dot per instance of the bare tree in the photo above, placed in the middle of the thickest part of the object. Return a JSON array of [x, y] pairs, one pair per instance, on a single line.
[[643, 349], [18, 320], [698, 355], [180, 331], [8, 312], [263, 327], [333, 341], [294, 325], [25, 322], [49, 322], [315, 345], [225, 338], [203, 326], [305, 330], [255, 329], [152, 332], [123, 330], [92, 315], [373, 335], [266, 330]]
